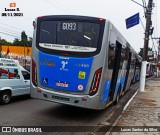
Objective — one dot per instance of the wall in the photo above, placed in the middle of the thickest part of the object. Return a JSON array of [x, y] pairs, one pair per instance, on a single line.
[[20, 50]]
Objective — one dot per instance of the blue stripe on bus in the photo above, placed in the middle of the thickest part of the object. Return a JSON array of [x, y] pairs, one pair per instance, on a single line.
[[105, 91], [120, 81], [105, 94]]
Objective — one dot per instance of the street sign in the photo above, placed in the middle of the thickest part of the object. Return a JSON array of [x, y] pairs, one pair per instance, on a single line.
[[150, 53], [132, 21]]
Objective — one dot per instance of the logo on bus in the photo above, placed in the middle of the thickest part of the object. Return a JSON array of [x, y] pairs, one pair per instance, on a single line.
[[80, 87], [81, 75], [45, 80], [47, 62], [64, 63]]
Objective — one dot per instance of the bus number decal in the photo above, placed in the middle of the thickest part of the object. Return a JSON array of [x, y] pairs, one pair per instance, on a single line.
[[69, 26], [82, 75]]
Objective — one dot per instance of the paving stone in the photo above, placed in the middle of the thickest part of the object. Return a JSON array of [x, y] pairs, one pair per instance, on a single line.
[[144, 109]]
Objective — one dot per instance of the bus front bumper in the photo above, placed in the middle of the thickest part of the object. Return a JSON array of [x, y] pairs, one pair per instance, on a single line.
[[84, 101]]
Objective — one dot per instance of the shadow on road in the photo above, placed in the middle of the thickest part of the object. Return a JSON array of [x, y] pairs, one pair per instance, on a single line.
[[20, 98], [69, 113]]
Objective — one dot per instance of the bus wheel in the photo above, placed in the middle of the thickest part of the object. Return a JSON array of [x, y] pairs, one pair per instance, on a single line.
[[5, 97]]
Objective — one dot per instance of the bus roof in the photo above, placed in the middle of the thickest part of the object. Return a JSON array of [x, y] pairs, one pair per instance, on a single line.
[[72, 17]]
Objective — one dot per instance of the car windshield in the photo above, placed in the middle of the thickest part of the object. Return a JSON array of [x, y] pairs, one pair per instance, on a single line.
[[69, 36]]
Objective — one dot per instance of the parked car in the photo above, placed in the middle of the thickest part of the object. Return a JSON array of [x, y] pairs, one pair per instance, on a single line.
[[14, 80]]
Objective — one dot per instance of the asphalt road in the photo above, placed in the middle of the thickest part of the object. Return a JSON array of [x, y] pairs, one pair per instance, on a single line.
[[24, 111]]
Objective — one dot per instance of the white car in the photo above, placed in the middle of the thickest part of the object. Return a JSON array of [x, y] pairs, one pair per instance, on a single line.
[[14, 80]]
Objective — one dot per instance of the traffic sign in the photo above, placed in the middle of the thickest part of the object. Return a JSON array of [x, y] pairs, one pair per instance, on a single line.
[[150, 53], [132, 21]]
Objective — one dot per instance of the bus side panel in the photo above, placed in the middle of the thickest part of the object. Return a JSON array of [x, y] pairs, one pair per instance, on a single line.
[[128, 69], [109, 66], [131, 71], [110, 89], [35, 51], [105, 92], [100, 60], [104, 86]]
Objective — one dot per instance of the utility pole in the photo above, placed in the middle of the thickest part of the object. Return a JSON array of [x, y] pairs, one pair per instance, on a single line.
[[148, 15]]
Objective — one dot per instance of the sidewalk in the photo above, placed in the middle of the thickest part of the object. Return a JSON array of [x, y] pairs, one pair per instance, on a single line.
[[144, 109]]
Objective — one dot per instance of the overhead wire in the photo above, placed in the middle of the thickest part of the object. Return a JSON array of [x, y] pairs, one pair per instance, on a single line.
[[145, 9], [153, 45], [155, 26], [13, 31], [8, 29], [9, 32], [10, 35], [142, 23], [13, 27], [10, 26]]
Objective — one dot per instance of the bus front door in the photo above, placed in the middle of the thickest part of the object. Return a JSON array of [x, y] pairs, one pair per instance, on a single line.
[[115, 70]]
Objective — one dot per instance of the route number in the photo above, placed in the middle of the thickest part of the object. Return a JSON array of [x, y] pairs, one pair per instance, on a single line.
[[69, 26]]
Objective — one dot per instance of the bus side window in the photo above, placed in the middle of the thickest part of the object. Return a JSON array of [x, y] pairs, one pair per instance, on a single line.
[[133, 61], [124, 58], [111, 56]]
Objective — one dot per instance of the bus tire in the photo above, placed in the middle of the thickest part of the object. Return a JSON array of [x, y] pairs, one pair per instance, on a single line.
[[5, 97]]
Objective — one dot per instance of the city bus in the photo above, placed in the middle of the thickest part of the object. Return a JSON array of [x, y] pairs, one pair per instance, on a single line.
[[80, 61]]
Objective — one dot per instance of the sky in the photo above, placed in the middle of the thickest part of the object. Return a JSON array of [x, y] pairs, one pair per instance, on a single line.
[[114, 10]]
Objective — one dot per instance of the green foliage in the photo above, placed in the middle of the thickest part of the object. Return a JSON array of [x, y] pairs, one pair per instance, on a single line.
[[23, 36], [4, 42], [17, 42]]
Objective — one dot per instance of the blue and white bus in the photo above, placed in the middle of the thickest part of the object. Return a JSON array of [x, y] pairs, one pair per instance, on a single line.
[[80, 61]]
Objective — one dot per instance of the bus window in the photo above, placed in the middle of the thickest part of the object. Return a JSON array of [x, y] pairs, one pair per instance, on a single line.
[[69, 36], [111, 56], [133, 61], [124, 58]]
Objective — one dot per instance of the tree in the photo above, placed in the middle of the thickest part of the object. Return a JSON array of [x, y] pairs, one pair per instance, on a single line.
[[30, 41], [4, 42], [23, 36], [16, 42], [19, 42]]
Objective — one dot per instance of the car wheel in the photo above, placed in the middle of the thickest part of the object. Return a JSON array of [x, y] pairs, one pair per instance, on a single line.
[[5, 97]]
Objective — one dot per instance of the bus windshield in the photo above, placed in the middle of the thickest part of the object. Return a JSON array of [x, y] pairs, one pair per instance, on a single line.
[[69, 36]]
